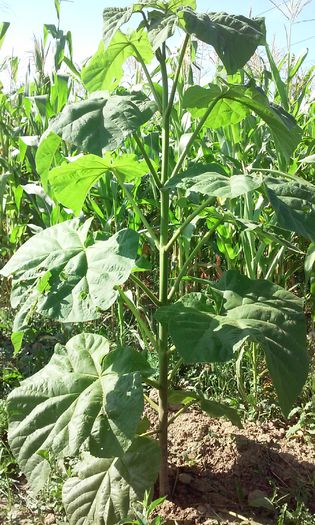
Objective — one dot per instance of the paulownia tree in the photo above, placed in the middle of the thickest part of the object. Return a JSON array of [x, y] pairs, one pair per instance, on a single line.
[[88, 399]]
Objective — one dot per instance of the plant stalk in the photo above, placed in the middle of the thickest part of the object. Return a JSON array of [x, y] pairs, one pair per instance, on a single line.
[[163, 291], [194, 252], [193, 138]]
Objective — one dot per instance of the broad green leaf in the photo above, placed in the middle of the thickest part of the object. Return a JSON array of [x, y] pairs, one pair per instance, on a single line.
[[71, 182], [125, 361], [203, 178], [235, 102], [84, 272], [61, 407], [113, 19], [161, 27], [235, 38], [174, 5], [106, 489], [254, 309], [105, 69], [293, 200], [4, 26], [161, 23], [183, 397], [45, 154], [103, 122], [197, 97], [165, 5], [225, 112]]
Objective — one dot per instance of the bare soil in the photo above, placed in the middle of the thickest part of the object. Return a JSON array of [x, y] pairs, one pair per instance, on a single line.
[[221, 474]]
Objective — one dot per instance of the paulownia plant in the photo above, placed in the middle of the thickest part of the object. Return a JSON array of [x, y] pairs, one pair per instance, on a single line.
[[88, 399]]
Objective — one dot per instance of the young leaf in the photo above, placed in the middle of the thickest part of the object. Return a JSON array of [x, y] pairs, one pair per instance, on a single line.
[[105, 69], [235, 38], [103, 122], [61, 407], [71, 182], [204, 179], [106, 489], [293, 200], [253, 309], [84, 273]]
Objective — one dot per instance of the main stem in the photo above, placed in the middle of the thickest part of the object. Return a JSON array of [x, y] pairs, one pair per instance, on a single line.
[[163, 292]]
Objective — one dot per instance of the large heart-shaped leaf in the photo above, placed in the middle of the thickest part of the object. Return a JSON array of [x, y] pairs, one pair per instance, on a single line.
[[235, 38], [102, 122], [125, 361], [293, 200], [68, 402], [71, 182], [66, 275], [232, 105], [253, 309], [105, 69], [204, 179], [106, 489]]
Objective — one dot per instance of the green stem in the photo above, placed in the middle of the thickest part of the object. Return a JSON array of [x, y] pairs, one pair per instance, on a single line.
[[149, 79], [142, 325], [120, 306], [136, 207], [187, 222], [194, 252], [255, 373], [146, 290], [176, 77], [181, 411], [192, 138], [163, 290], [148, 161], [175, 369]]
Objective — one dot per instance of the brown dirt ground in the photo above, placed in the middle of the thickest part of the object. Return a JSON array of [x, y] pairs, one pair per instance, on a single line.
[[217, 470]]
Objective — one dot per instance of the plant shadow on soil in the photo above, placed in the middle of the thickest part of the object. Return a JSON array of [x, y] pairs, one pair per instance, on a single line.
[[218, 471]]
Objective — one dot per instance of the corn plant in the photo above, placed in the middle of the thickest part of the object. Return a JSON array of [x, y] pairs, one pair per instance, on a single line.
[[89, 398]]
